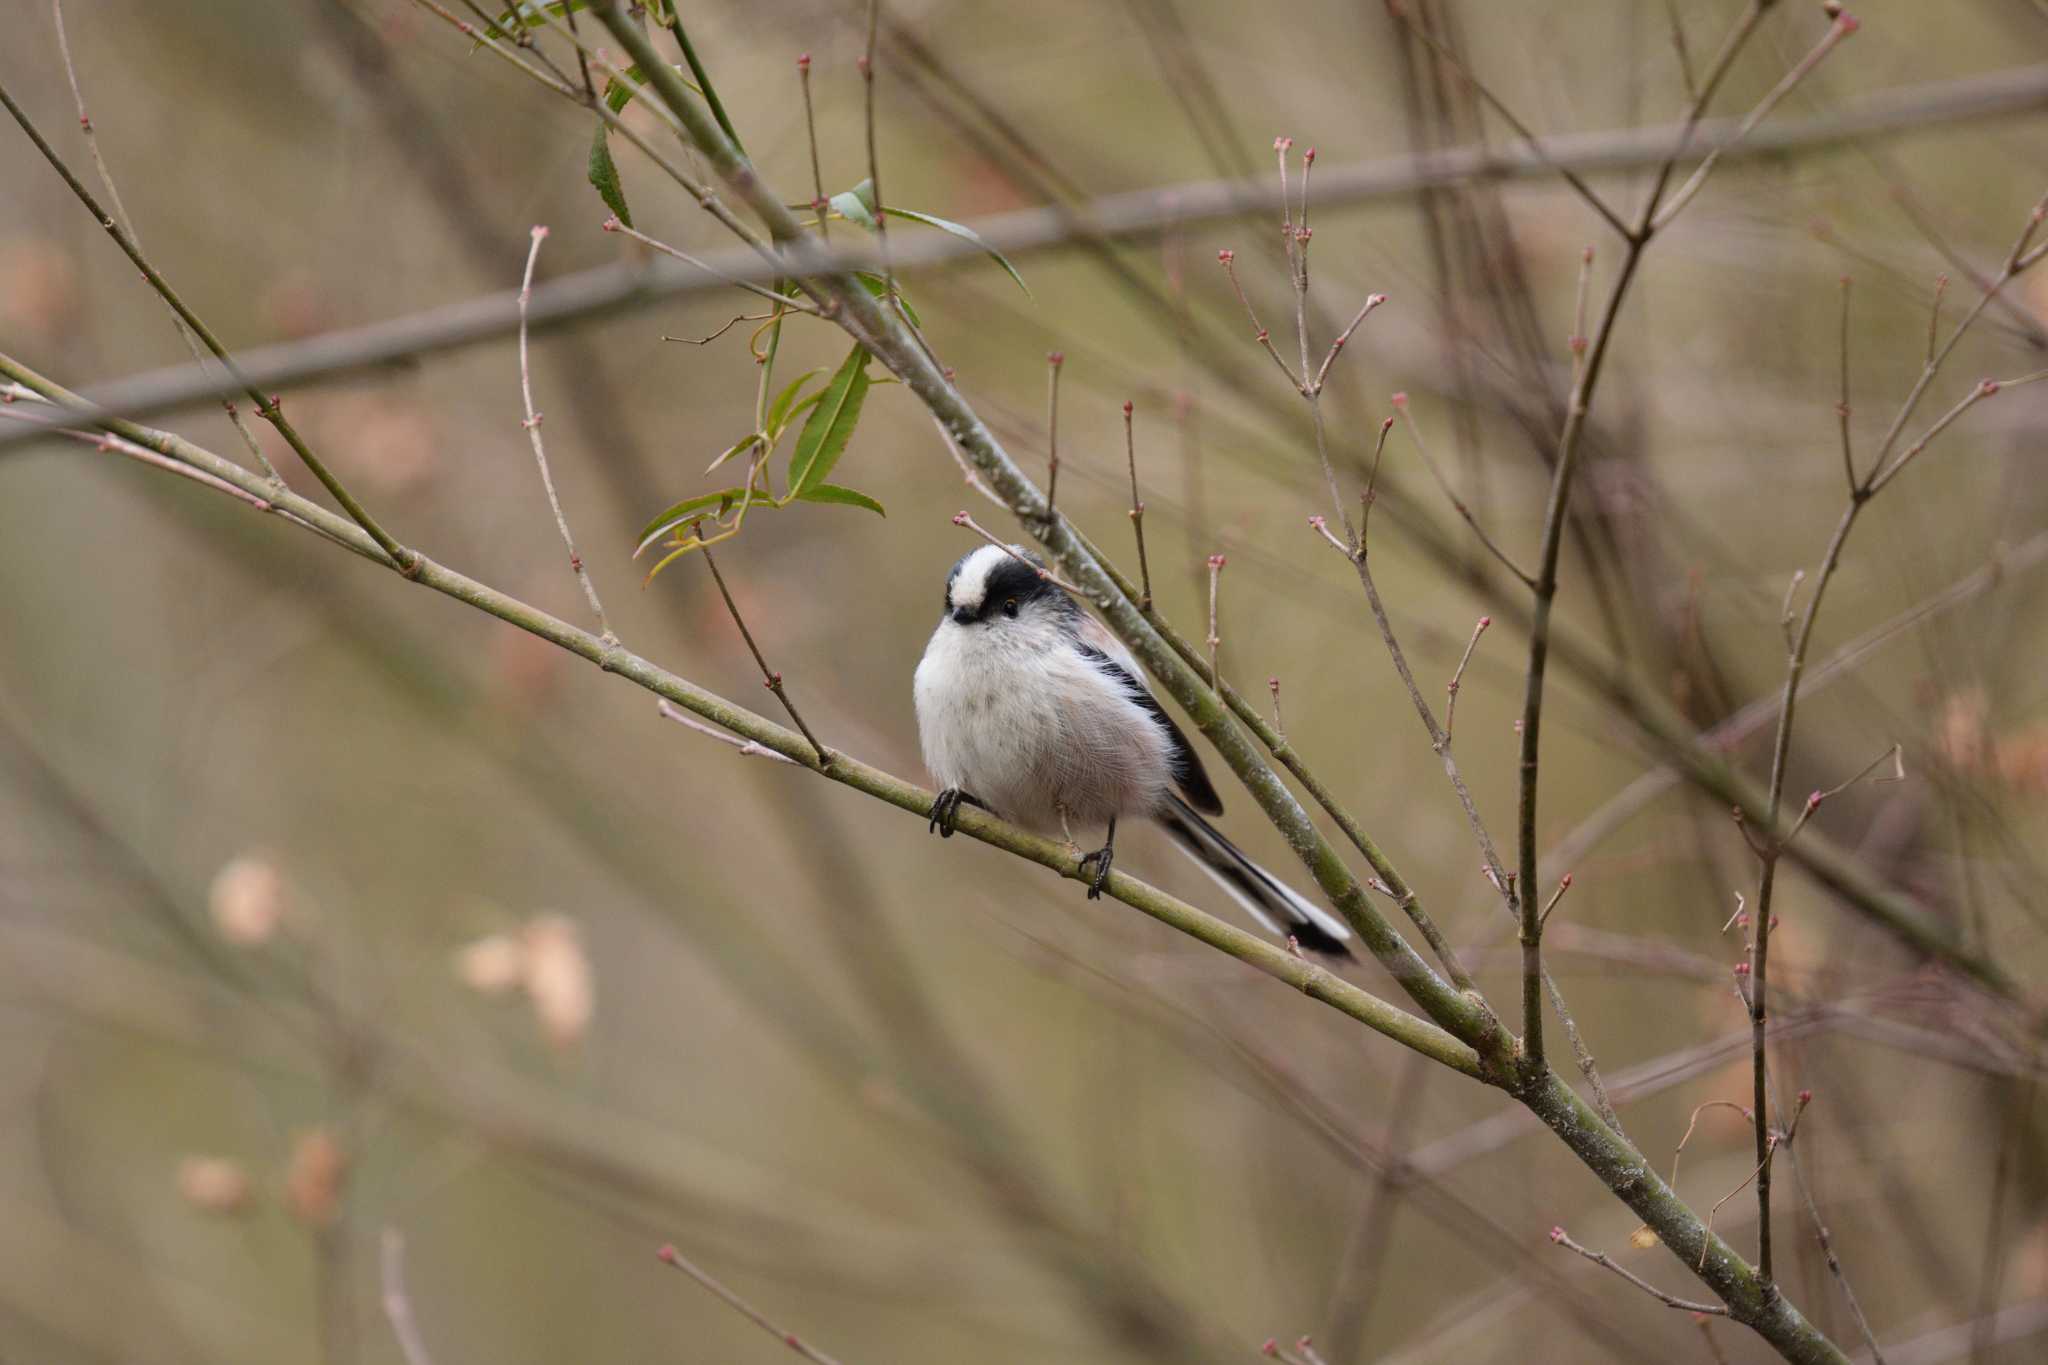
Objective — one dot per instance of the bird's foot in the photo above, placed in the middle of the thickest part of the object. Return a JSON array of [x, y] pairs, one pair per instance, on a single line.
[[945, 814], [1100, 860]]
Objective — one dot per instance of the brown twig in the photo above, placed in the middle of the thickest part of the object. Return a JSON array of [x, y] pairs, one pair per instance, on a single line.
[[1601, 1258], [1216, 563], [1842, 418], [962, 519], [671, 1257], [820, 205], [1137, 513], [769, 677], [747, 747], [1228, 258], [1053, 361], [1451, 688], [397, 1304], [540, 454], [1400, 401]]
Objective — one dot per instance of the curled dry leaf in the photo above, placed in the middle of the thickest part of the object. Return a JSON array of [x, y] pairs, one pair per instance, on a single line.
[[316, 1177], [213, 1184], [558, 978], [247, 900], [1643, 1238]]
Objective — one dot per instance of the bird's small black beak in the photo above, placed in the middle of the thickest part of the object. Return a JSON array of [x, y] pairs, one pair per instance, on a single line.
[[963, 617]]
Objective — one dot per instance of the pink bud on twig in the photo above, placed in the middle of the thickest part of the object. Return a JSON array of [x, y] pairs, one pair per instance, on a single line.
[[1556, 1234], [1283, 144], [803, 62], [1055, 358], [1217, 561], [1400, 401], [1806, 1097], [1742, 969], [1226, 256], [667, 1254], [1127, 407]]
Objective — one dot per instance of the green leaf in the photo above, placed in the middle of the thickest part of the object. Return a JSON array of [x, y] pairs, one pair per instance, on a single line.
[[527, 14], [832, 492], [604, 177], [823, 439], [965, 233], [779, 411], [617, 96], [688, 510], [752, 438], [879, 287], [857, 205]]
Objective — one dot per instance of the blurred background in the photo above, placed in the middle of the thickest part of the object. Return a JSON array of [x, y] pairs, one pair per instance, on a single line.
[[339, 921]]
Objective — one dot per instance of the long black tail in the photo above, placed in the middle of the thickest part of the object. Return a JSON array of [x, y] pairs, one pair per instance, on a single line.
[[1276, 906]]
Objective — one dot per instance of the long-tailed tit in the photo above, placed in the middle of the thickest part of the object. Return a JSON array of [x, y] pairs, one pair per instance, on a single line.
[[1028, 707]]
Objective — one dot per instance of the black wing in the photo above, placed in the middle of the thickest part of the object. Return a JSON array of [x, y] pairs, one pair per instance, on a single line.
[[1187, 764]]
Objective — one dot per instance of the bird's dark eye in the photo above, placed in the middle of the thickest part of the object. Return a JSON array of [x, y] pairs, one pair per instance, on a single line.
[[1010, 607]]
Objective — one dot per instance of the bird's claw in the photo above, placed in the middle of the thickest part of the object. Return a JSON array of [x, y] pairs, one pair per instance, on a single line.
[[1100, 860], [945, 816]]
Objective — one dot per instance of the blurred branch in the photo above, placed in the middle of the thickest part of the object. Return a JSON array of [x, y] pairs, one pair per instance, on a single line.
[[612, 289], [670, 1256]]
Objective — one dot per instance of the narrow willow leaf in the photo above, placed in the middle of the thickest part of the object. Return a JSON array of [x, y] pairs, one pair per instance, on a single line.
[[832, 492], [778, 411], [965, 233], [604, 177], [751, 439], [676, 515], [823, 439]]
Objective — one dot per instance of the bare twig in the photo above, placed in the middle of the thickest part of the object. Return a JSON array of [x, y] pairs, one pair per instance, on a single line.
[[671, 1257], [99, 161], [820, 205], [962, 519], [540, 454], [1601, 1258], [1844, 25], [747, 747], [1054, 360], [769, 677], [397, 1304], [1216, 563], [1842, 417], [786, 303], [1415, 434], [1228, 258], [729, 324], [1137, 513], [268, 405], [1451, 688]]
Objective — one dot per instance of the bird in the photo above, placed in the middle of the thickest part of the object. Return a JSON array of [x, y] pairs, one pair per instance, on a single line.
[[1029, 708]]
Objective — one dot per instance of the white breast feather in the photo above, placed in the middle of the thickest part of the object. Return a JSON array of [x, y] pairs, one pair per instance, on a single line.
[[1012, 713]]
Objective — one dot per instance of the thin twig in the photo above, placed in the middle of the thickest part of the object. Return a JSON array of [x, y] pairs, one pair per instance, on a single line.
[[747, 747], [1841, 415], [1372, 301], [1844, 25], [1137, 513], [268, 405], [1564, 884], [729, 324], [99, 161], [1601, 1258], [1458, 503], [1216, 563], [1054, 360], [881, 212], [540, 454], [962, 519], [769, 677], [819, 203], [671, 1257], [397, 1305], [1228, 258], [787, 303], [1451, 688]]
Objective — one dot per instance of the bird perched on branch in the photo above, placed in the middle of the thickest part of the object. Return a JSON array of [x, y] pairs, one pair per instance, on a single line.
[[1028, 707]]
